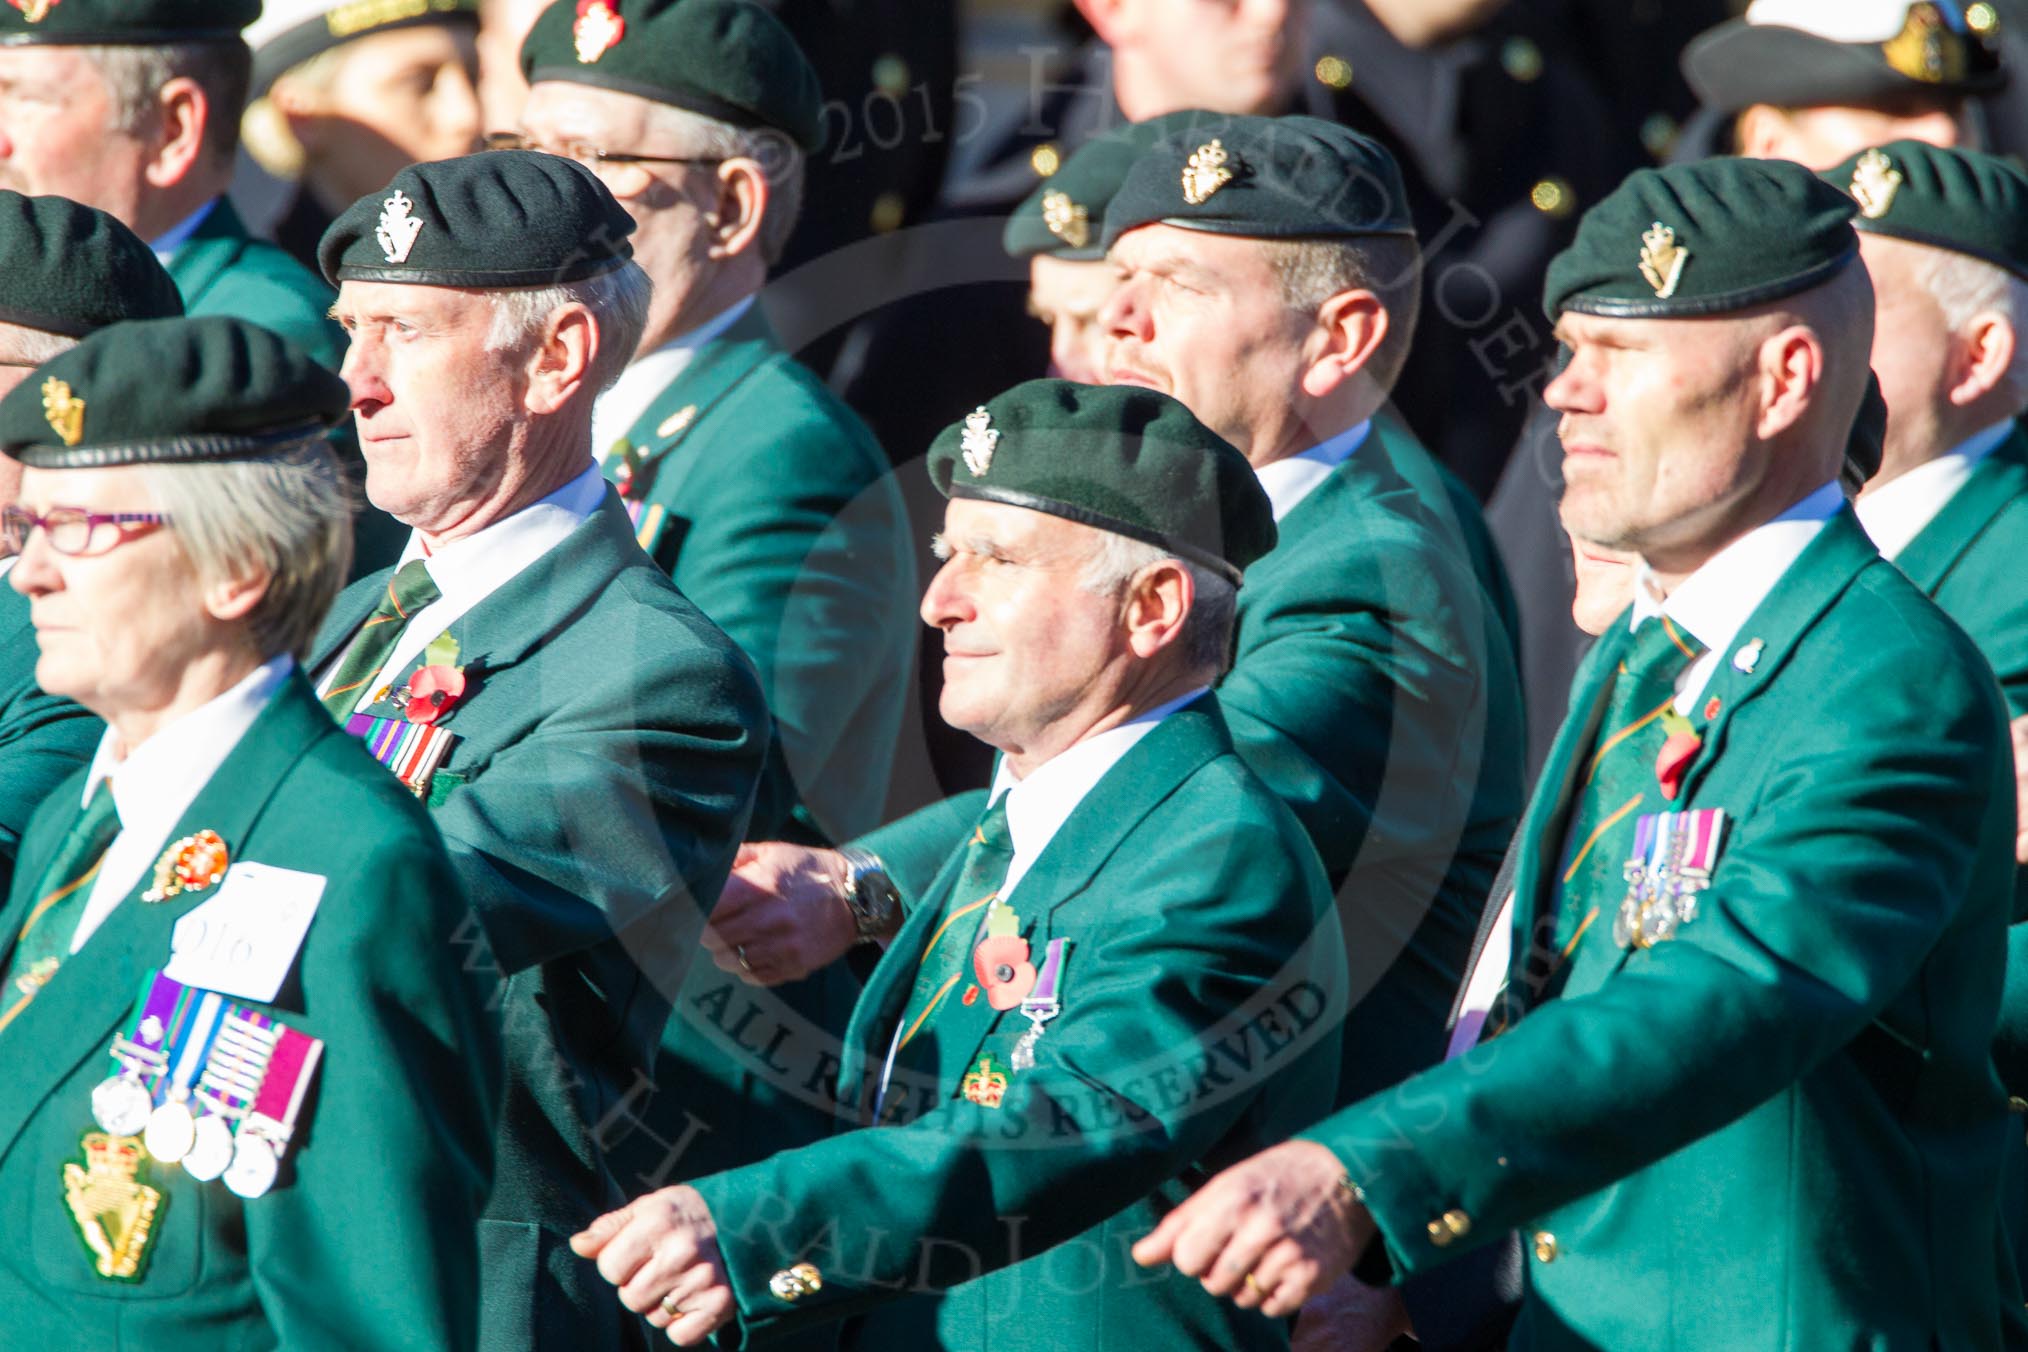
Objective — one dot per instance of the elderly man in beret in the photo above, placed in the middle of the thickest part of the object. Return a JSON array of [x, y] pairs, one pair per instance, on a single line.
[[66, 270], [1763, 886], [347, 93], [133, 106], [1373, 682], [1041, 1040], [765, 498], [587, 741], [230, 1028]]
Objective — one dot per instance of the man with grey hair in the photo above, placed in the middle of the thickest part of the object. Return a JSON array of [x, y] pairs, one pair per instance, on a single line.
[[765, 498], [588, 742], [133, 106], [66, 270]]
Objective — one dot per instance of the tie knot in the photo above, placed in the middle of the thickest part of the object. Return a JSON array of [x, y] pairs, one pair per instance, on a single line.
[[1661, 646], [410, 589], [992, 831]]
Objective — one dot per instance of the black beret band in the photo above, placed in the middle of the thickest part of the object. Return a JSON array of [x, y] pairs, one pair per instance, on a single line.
[[1719, 303], [181, 450]]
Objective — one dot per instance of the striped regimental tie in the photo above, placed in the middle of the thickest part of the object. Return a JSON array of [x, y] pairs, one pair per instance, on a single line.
[[948, 955], [408, 591], [45, 936]]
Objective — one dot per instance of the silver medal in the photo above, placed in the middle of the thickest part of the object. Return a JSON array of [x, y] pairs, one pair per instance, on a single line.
[[171, 1132], [254, 1166], [211, 1152], [120, 1106]]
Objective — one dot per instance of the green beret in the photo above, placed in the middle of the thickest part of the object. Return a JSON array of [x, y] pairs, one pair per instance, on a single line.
[[170, 391], [500, 218], [1119, 458], [290, 32], [69, 269], [1843, 54], [1265, 178], [1963, 200], [1706, 238], [122, 23], [1066, 213], [727, 59]]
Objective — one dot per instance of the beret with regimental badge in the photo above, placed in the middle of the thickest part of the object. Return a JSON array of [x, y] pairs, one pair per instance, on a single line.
[[290, 32], [170, 391], [1700, 239], [122, 23], [500, 218], [1845, 53], [1066, 214], [728, 59], [69, 269], [1963, 200], [1265, 178], [1117, 458]]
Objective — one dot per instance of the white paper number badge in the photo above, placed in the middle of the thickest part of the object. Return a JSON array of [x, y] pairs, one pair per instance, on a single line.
[[244, 939]]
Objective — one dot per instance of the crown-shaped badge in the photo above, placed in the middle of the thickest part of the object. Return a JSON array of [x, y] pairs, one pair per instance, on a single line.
[[978, 441], [64, 411], [597, 31], [1205, 173], [1662, 259], [1875, 180], [1926, 49], [985, 1086], [1067, 220], [398, 228]]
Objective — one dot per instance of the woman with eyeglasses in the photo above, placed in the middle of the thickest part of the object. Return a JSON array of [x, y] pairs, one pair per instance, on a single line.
[[249, 1083]]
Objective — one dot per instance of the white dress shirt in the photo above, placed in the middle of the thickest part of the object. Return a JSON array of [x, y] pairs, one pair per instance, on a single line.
[[1038, 805], [154, 784], [469, 570], [621, 406], [176, 236], [1713, 603], [1288, 482], [1897, 511]]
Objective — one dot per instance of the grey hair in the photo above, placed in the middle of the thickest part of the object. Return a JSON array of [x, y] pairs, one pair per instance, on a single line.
[[288, 516], [33, 347], [1311, 271], [1206, 641], [618, 301], [134, 78], [1965, 288], [780, 160]]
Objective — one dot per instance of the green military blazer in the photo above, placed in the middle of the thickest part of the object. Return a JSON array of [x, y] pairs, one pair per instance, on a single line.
[[1374, 688], [223, 270], [368, 1241], [1201, 995], [1781, 1127], [607, 748], [43, 738], [772, 507]]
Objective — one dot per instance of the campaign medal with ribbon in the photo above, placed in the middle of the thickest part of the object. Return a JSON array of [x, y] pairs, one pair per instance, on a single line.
[[172, 1127], [264, 1133], [410, 743], [1674, 853], [226, 1091], [1041, 1004], [122, 1101]]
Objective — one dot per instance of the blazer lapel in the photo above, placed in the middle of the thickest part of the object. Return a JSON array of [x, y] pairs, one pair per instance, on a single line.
[[712, 375], [209, 251], [2000, 478], [75, 1016]]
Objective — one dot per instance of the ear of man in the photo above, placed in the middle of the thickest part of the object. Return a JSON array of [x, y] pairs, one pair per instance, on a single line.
[[1157, 605], [735, 218], [176, 141], [560, 362]]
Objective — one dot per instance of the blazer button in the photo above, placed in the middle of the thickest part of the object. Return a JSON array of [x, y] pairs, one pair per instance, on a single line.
[[1449, 1226], [1545, 1247], [792, 1284]]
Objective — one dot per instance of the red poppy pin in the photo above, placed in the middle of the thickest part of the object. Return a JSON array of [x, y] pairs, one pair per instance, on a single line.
[[1001, 960], [432, 692], [1679, 748]]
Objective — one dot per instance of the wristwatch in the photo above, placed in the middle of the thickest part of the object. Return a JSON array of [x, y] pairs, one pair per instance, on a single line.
[[869, 894]]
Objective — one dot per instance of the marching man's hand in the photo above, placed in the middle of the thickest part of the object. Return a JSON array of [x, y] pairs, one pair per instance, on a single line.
[[661, 1251], [1271, 1231], [780, 917]]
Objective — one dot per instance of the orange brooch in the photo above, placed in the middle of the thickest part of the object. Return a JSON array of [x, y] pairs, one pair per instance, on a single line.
[[190, 865]]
